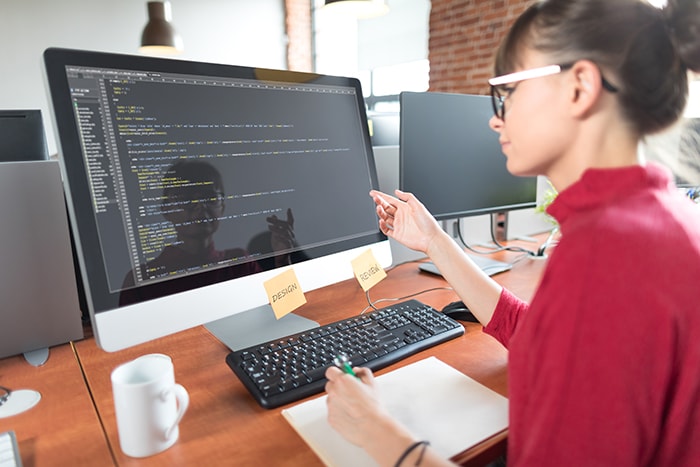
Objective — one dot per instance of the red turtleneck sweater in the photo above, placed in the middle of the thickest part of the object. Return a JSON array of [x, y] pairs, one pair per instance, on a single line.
[[604, 364]]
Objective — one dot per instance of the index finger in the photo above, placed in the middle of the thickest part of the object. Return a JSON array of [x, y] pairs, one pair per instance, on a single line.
[[333, 373], [383, 199]]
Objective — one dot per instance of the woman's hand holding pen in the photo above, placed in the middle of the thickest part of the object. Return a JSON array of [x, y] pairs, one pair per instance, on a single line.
[[405, 219], [355, 411], [353, 405]]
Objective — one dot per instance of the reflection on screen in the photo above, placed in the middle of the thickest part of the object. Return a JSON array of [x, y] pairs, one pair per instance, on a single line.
[[196, 174]]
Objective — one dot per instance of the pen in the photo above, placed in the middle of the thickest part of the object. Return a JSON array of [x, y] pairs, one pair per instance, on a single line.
[[342, 362]]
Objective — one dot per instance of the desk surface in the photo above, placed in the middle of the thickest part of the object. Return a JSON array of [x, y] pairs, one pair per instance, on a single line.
[[225, 425], [63, 428]]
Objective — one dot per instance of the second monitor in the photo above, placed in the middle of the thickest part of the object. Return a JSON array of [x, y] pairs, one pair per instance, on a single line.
[[452, 161]]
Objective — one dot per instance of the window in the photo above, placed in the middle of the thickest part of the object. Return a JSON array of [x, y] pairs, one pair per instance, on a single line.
[[388, 53]]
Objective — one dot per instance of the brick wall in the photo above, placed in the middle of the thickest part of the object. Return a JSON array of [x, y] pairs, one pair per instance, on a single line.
[[464, 35], [298, 19]]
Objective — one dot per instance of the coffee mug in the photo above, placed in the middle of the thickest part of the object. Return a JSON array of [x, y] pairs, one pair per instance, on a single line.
[[149, 405]]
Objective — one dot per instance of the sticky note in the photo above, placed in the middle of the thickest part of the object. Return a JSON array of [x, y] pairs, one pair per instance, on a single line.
[[284, 293], [367, 270]]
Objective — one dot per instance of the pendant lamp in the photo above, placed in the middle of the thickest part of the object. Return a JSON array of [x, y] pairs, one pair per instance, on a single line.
[[360, 9], [159, 36]]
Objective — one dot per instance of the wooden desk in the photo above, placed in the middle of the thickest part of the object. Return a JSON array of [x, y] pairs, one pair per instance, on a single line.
[[224, 425], [63, 428]]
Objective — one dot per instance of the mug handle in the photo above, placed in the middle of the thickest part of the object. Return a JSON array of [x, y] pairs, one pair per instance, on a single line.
[[183, 401]]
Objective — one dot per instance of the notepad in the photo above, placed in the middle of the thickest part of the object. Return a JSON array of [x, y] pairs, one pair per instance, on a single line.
[[433, 400]]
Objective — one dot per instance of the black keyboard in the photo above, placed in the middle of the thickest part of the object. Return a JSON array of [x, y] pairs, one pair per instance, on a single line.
[[288, 369]]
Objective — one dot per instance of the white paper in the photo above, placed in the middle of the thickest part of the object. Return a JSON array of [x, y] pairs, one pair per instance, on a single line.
[[433, 400]]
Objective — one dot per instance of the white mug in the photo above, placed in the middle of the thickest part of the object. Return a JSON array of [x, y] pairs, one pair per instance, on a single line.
[[149, 405]]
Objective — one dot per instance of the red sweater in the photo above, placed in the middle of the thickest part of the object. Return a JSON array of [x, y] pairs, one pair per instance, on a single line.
[[604, 364]]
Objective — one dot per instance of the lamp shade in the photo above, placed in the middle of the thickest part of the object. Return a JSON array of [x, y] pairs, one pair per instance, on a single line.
[[159, 35], [360, 9]]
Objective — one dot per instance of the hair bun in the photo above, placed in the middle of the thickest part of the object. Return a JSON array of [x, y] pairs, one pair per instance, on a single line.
[[683, 22]]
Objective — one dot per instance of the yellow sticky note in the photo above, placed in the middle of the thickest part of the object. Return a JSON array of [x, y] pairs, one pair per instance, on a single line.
[[284, 293], [367, 270]]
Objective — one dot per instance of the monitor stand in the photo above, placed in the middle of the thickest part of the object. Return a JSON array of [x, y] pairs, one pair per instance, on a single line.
[[256, 326], [37, 357], [488, 265]]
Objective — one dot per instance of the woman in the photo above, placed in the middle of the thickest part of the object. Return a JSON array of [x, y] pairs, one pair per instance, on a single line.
[[604, 363]]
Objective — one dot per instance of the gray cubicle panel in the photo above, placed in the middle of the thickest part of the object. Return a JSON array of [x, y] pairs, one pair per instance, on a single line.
[[38, 294]]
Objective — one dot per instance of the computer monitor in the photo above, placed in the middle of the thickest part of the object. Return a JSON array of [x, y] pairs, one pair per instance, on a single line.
[[452, 161], [22, 136], [176, 172]]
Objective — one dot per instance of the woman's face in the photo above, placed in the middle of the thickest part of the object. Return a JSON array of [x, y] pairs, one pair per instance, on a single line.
[[535, 129]]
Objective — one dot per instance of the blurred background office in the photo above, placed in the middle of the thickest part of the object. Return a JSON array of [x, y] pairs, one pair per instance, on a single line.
[[390, 53], [416, 45], [261, 33]]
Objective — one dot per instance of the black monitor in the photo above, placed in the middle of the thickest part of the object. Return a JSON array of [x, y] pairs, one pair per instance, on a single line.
[[452, 161], [22, 136], [176, 172]]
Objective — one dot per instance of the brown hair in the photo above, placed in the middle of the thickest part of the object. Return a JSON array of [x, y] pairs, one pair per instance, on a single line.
[[644, 51]]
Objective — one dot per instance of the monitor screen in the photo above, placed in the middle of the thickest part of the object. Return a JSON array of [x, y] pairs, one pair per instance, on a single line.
[[191, 184], [22, 136], [452, 161]]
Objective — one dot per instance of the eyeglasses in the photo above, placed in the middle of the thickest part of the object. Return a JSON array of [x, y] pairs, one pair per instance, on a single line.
[[500, 92]]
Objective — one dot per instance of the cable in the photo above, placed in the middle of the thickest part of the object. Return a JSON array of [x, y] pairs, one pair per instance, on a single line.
[[371, 304], [4, 394], [504, 247], [547, 243], [499, 246]]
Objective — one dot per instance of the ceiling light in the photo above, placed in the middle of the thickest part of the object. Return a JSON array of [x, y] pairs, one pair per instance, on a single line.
[[360, 9], [159, 36]]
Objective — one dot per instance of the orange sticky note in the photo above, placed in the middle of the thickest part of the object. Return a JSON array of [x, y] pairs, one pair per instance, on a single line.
[[284, 293], [367, 270]]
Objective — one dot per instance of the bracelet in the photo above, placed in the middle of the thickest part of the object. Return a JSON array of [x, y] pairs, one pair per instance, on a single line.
[[410, 449]]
